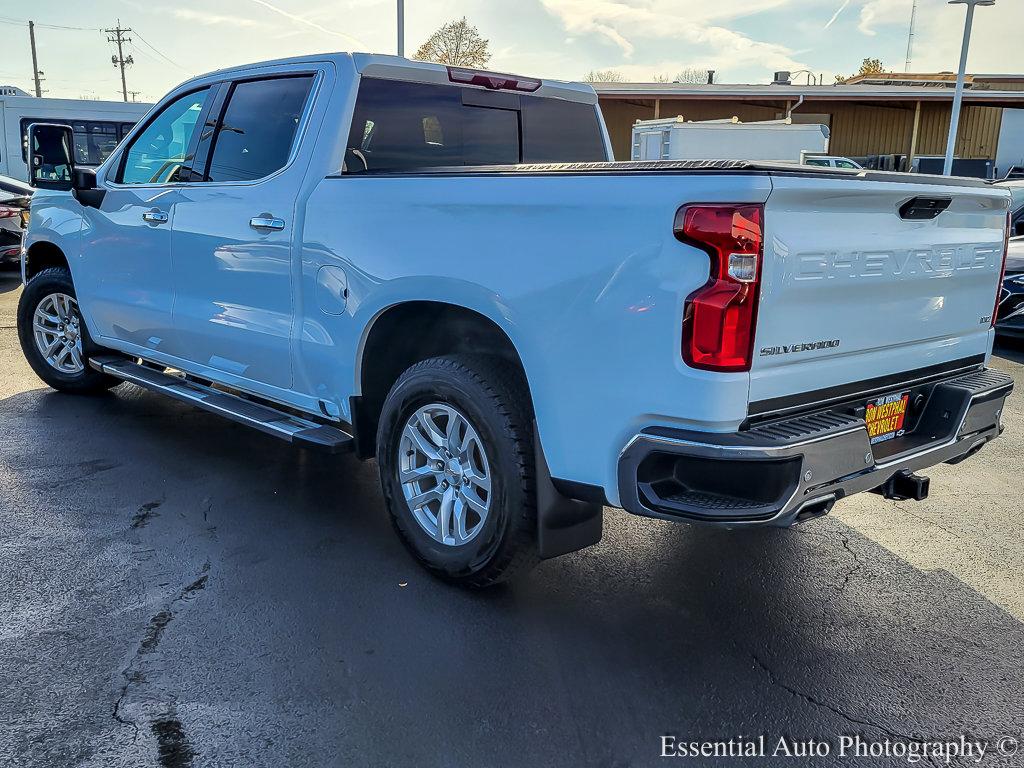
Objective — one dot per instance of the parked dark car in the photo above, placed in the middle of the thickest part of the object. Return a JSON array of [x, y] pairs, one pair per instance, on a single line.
[[1010, 322], [14, 200]]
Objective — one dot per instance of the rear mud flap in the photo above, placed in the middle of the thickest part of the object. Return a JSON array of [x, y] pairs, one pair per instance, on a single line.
[[563, 525]]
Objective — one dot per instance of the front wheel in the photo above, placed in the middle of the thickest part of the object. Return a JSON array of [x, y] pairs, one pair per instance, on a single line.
[[53, 336], [455, 450]]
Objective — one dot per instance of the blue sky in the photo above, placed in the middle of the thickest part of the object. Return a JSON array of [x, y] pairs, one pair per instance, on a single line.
[[744, 40]]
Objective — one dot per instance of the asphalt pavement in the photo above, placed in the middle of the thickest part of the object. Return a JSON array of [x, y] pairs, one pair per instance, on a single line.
[[178, 591]]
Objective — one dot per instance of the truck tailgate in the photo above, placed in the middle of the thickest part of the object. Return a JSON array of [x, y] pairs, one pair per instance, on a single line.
[[853, 290]]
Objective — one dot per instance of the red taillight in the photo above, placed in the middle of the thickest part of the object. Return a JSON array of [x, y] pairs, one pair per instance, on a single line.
[[6, 212], [720, 316], [493, 80], [1002, 272]]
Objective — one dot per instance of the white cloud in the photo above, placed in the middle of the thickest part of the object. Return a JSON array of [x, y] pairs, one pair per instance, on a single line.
[[626, 23], [877, 13], [212, 19], [995, 42]]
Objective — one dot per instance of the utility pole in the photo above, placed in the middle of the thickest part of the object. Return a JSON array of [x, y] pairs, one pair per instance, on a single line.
[[118, 36], [958, 94], [35, 63], [401, 27]]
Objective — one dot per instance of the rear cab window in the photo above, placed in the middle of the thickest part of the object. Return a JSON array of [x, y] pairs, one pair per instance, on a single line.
[[254, 138], [400, 126]]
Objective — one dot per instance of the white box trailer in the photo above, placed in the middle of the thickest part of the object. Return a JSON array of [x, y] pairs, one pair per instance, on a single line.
[[97, 127], [771, 140]]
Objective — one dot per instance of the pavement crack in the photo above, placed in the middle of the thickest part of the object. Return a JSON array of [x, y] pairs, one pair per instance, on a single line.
[[857, 565], [927, 521], [117, 707], [774, 680], [132, 673]]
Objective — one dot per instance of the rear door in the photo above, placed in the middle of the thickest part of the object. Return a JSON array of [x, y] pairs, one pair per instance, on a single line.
[[231, 242], [854, 290]]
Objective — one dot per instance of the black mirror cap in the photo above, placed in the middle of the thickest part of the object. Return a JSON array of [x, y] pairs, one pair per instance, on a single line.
[[84, 179], [1018, 228]]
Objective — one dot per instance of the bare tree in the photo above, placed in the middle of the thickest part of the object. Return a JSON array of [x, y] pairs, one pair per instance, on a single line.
[[691, 75], [688, 75], [603, 76], [457, 44]]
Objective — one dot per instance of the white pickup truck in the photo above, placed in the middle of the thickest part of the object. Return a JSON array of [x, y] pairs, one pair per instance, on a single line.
[[441, 268]]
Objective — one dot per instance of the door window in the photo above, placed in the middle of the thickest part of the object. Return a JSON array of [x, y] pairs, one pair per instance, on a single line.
[[160, 152], [816, 161], [255, 136]]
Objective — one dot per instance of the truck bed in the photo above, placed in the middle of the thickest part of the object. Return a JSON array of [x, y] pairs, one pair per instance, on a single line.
[[684, 167]]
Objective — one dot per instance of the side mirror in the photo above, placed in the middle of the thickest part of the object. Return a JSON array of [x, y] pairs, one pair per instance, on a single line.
[[1018, 227], [51, 160]]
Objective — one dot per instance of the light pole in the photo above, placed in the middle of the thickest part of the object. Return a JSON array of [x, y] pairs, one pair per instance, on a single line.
[[401, 27], [958, 96]]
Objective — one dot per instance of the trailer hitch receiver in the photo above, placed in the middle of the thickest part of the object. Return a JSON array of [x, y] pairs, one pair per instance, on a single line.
[[905, 485]]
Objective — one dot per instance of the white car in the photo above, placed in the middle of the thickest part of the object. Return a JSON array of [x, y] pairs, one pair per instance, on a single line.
[[830, 161]]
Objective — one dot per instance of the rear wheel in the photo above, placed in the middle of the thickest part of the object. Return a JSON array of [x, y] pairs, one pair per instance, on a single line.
[[53, 336], [455, 451]]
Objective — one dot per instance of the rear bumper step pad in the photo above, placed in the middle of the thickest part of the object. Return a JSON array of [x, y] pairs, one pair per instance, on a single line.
[[780, 472]]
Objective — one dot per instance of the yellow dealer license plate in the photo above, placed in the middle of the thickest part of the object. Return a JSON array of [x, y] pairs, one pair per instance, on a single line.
[[886, 416]]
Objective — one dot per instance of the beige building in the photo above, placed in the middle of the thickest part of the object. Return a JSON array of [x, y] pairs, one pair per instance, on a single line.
[[905, 114]]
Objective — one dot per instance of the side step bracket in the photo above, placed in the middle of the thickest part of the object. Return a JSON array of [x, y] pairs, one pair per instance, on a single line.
[[264, 417]]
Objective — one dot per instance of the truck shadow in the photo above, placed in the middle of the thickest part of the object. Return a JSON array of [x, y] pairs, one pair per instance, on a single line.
[[1011, 349], [660, 629], [10, 280]]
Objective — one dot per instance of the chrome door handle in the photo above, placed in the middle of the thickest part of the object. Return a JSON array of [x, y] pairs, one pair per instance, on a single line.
[[155, 217], [266, 222]]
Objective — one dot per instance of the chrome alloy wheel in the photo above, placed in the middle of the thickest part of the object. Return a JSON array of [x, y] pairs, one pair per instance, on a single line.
[[444, 474], [57, 328]]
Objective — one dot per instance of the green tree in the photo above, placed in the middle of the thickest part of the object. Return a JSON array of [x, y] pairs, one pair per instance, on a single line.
[[456, 44], [867, 67]]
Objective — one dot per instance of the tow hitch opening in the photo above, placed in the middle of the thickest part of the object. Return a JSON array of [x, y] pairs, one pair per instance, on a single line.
[[905, 485]]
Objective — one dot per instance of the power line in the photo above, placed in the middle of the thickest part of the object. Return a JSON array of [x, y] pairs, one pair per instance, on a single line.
[[158, 52], [24, 23]]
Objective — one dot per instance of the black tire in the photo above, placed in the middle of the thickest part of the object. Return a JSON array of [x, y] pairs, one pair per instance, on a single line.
[[490, 393], [47, 282]]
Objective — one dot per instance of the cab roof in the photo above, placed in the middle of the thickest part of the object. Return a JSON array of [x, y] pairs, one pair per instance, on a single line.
[[399, 68]]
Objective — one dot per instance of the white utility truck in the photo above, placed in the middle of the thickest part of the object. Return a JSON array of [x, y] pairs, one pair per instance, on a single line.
[[97, 127], [768, 141]]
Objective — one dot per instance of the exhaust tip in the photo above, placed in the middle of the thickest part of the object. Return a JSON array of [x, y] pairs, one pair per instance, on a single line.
[[815, 508]]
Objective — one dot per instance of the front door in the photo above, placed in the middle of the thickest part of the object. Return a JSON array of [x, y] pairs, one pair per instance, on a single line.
[[126, 290], [231, 240]]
